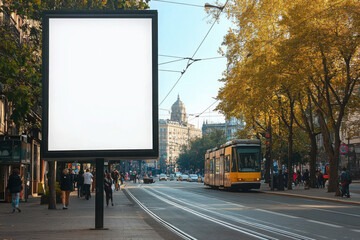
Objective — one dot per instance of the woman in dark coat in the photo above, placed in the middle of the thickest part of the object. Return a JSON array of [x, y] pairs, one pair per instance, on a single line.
[[108, 189], [15, 187], [66, 185]]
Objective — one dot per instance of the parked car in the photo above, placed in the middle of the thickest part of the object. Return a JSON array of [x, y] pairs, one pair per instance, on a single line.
[[192, 178], [183, 177], [162, 177], [172, 177]]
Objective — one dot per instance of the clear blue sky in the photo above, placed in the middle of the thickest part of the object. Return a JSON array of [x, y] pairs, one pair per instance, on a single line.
[[181, 30]]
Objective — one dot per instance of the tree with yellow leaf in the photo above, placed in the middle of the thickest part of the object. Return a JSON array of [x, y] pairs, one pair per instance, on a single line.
[[306, 53]]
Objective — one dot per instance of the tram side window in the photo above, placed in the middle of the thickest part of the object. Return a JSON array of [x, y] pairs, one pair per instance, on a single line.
[[211, 166], [227, 163], [233, 161], [217, 166], [214, 166]]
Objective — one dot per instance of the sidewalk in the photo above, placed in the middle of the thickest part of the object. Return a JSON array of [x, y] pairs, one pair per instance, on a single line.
[[317, 193], [125, 220]]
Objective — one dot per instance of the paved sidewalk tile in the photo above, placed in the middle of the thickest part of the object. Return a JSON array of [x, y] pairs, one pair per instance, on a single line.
[[125, 220]]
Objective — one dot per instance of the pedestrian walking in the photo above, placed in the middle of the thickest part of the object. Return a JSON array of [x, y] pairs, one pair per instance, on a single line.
[[281, 181], [116, 179], [15, 187], [122, 178], [87, 183], [66, 185], [298, 177], [93, 182], [345, 179], [108, 187], [306, 178], [80, 184]]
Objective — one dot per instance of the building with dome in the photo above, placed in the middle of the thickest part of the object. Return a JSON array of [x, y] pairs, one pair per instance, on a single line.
[[178, 112], [173, 134]]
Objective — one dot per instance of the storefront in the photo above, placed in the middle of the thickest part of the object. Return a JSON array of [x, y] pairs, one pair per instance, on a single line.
[[14, 153]]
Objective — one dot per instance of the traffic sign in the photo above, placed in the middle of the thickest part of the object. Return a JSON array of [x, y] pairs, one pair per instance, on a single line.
[[343, 148]]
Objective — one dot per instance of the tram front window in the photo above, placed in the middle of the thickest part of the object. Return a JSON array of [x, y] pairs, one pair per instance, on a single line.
[[248, 160]]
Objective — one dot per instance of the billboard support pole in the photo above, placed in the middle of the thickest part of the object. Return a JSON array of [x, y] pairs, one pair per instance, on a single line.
[[99, 195]]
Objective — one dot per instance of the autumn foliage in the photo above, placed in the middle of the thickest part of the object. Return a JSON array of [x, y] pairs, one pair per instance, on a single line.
[[293, 65]]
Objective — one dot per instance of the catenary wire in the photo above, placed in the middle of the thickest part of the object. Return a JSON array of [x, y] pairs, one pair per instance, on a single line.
[[191, 61], [204, 110], [179, 3]]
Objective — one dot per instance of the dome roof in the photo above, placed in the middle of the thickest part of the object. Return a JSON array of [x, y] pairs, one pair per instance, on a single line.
[[178, 104], [178, 112]]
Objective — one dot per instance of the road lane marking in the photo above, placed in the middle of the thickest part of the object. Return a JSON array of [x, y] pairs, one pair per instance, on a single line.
[[255, 225], [160, 220], [323, 223], [271, 212], [342, 213], [217, 221]]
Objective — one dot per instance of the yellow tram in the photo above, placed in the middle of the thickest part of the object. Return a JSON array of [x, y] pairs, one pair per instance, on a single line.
[[234, 165]]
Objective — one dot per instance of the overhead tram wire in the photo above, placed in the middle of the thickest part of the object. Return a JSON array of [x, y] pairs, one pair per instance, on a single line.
[[200, 59], [204, 111], [167, 70], [191, 60], [179, 3]]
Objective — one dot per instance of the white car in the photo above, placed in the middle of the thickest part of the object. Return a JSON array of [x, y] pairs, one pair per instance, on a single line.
[[163, 177], [192, 178], [183, 177]]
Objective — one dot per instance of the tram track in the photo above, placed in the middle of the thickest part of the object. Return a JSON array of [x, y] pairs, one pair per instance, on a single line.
[[169, 226], [257, 226]]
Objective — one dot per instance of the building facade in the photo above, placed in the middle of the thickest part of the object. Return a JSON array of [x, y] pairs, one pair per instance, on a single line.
[[18, 148], [174, 133], [230, 127]]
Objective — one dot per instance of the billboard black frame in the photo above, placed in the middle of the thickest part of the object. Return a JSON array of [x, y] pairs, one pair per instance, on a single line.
[[87, 155]]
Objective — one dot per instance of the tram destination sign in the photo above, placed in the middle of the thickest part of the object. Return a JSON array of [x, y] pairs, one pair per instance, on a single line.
[[100, 85]]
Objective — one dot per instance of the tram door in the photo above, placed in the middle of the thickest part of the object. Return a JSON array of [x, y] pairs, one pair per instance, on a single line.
[[222, 167]]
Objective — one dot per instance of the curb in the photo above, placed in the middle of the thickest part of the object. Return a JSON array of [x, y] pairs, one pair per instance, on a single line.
[[312, 197]]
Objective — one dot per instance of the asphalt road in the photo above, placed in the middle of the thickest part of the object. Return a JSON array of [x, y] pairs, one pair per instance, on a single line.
[[196, 212]]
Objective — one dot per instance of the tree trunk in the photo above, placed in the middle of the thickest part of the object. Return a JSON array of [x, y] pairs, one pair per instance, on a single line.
[[333, 152], [268, 161], [290, 146], [313, 153], [52, 180], [267, 165], [290, 151], [334, 165]]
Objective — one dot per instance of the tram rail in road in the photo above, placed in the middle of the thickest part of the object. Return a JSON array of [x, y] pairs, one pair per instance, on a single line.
[[251, 233]]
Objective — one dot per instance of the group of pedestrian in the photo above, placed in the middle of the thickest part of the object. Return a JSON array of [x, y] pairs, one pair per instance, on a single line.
[[83, 183]]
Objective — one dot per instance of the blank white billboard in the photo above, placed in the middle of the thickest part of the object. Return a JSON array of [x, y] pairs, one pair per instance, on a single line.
[[100, 80]]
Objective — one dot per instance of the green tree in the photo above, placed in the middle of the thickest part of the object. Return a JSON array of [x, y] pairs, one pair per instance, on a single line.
[[192, 156], [20, 61]]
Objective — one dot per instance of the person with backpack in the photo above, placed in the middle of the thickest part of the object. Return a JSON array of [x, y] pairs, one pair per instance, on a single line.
[[345, 179], [15, 187]]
